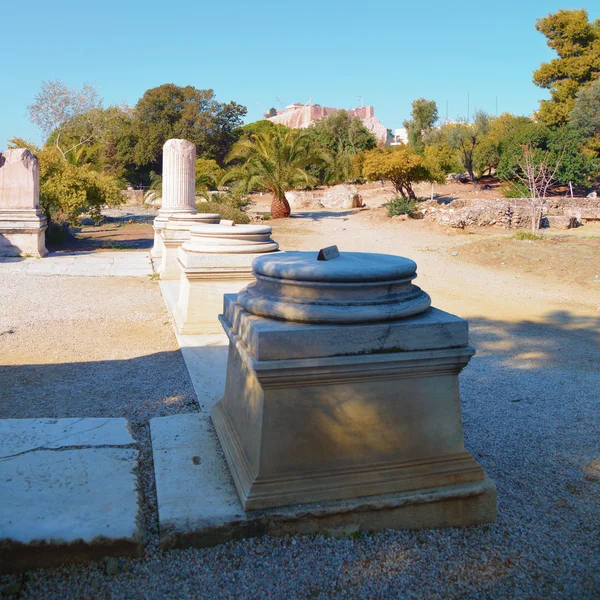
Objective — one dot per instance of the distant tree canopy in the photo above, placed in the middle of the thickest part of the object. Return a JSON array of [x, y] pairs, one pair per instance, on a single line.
[[576, 41], [585, 115], [401, 165], [563, 145], [466, 138], [170, 111], [424, 114], [338, 138], [127, 143], [264, 126]]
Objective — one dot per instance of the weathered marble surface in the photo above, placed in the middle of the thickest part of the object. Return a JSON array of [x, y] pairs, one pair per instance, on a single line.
[[178, 186], [56, 504], [198, 504], [216, 260], [22, 224], [341, 411], [174, 234]]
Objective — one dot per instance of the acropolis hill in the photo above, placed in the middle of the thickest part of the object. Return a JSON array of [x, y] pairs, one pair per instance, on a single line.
[[300, 115]]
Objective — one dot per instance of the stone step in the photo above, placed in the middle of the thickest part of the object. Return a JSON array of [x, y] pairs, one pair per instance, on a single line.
[[69, 492]]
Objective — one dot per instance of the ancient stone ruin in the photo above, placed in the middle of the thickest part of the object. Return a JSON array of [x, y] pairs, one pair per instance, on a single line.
[[22, 224], [342, 390], [178, 186], [216, 260], [299, 116]]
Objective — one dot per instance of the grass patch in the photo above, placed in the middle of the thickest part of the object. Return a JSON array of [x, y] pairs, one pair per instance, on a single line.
[[527, 235]]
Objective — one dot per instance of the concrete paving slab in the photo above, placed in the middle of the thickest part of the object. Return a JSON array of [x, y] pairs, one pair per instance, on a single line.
[[205, 355], [198, 504], [68, 492], [86, 264]]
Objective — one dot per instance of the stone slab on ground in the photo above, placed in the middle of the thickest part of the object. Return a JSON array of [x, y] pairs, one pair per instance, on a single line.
[[205, 355], [68, 492], [89, 264], [198, 504]]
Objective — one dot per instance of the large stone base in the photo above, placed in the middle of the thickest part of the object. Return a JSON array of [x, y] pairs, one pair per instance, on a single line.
[[198, 504], [201, 299], [169, 265], [157, 246], [22, 233], [318, 428], [201, 290]]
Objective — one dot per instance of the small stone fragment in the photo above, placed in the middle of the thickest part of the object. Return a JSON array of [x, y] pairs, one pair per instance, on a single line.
[[111, 566], [13, 588]]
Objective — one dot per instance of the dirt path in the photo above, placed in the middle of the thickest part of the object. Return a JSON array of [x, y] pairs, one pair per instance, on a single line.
[[103, 346], [454, 281]]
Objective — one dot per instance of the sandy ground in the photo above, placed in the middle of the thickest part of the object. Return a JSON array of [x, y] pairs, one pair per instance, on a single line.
[[459, 278], [73, 346]]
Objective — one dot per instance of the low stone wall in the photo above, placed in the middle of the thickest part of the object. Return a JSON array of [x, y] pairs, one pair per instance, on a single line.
[[511, 213]]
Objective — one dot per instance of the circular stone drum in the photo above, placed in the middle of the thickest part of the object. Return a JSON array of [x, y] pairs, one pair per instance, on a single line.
[[355, 287], [180, 224], [230, 239]]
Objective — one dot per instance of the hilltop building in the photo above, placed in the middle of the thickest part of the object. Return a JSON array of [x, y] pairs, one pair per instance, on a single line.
[[400, 137], [299, 116]]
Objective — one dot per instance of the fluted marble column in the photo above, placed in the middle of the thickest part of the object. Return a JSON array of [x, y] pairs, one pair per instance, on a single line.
[[178, 187], [22, 224]]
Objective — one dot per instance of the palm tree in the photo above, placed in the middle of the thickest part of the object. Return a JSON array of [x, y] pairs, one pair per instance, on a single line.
[[274, 161]]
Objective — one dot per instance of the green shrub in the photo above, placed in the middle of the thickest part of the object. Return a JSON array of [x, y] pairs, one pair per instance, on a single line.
[[230, 204], [227, 211], [526, 235], [401, 206]]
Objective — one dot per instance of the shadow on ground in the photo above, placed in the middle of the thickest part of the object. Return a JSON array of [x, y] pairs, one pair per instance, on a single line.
[[105, 237], [318, 215], [530, 407], [137, 388]]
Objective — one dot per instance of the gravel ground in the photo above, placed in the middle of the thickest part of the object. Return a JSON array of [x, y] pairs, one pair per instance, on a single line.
[[531, 413]]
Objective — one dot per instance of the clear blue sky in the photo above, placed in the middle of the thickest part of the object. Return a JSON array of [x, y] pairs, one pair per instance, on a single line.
[[388, 52]]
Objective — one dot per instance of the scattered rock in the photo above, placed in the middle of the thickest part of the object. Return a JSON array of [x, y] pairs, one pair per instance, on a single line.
[[513, 213], [342, 196], [458, 178], [561, 222], [592, 195], [111, 566], [298, 200], [12, 589], [153, 199]]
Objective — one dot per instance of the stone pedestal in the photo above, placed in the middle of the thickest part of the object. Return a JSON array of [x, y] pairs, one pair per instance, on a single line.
[[216, 260], [174, 234], [22, 224], [178, 187], [342, 384]]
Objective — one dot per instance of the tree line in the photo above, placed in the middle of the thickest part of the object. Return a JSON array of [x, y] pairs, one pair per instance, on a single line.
[[91, 151]]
